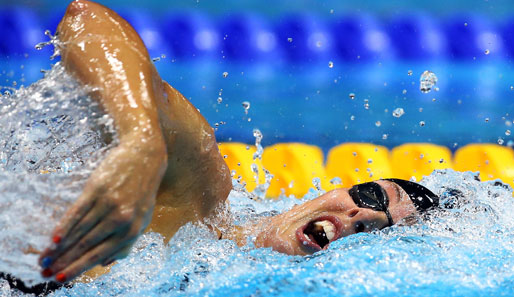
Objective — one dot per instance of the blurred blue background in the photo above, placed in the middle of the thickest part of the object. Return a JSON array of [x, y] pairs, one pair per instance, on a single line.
[[300, 63]]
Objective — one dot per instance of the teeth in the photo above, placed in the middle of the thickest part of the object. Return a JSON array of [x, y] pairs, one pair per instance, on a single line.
[[328, 227]]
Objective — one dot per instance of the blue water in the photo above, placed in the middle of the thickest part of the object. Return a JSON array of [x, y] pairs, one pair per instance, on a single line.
[[311, 104]]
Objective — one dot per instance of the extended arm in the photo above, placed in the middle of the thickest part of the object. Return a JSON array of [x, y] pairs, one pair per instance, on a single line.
[[104, 52]]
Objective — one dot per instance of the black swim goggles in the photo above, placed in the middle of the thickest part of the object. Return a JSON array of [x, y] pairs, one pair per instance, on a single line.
[[371, 195]]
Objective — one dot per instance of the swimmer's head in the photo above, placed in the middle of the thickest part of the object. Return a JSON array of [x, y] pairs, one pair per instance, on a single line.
[[312, 226]]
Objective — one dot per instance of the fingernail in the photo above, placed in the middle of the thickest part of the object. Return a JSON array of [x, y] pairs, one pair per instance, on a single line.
[[60, 277], [46, 262], [56, 239], [46, 272]]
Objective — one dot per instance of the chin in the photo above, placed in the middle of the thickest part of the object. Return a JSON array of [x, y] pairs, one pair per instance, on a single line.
[[272, 239]]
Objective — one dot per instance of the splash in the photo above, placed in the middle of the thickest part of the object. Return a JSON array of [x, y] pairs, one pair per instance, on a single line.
[[54, 41], [53, 135]]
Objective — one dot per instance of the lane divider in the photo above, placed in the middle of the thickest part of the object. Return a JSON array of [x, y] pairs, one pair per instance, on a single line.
[[295, 165]]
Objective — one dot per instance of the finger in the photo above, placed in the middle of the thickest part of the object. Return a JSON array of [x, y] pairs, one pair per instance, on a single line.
[[74, 215], [89, 259], [123, 253], [98, 234], [76, 233]]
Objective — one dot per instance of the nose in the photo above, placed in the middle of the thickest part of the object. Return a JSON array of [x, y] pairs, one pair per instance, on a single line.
[[366, 220], [353, 212]]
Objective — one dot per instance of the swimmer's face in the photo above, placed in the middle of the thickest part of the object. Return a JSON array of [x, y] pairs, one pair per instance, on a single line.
[[312, 226]]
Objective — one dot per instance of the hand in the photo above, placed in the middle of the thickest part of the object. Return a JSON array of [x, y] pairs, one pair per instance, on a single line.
[[113, 210]]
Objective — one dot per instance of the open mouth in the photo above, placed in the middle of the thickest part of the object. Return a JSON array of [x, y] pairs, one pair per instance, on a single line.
[[319, 233]]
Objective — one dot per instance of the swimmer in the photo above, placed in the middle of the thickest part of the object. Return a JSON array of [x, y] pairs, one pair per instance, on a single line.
[[167, 171]]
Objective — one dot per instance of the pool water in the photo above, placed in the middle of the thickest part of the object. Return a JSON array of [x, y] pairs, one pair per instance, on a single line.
[[464, 251], [465, 248]]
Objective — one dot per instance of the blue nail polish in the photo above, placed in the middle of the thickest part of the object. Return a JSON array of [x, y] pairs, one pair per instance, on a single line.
[[47, 261]]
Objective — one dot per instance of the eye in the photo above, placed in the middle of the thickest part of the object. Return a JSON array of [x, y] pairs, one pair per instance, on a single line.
[[359, 227]]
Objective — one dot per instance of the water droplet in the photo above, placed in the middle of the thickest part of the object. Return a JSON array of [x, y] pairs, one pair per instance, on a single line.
[[421, 156], [331, 11], [336, 181], [422, 123], [511, 88], [352, 118], [487, 120], [465, 24], [366, 105], [378, 123], [420, 109], [404, 92], [487, 52], [246, 106], [441, 160], [384, 136], [258, 138], [370, 161], [225, 74], [351, 95], [220, 100], [354, 154], [507, 132], [330, 64], [317, 184], [427, 81], [398, 112], [356, 169], [500, 141], [409, 73], [290, 39]]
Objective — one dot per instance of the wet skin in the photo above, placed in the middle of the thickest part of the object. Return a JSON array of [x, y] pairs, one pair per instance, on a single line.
[[165, 171], [285, 232]]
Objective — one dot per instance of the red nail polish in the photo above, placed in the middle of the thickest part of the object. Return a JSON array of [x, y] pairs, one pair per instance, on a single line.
[[60, 277], [47, 272], [56, 239]]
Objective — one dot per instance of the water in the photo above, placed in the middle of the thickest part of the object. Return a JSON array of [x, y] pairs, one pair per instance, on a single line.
[[53, 127], [52, 136], [427, 81], [464, 251]]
